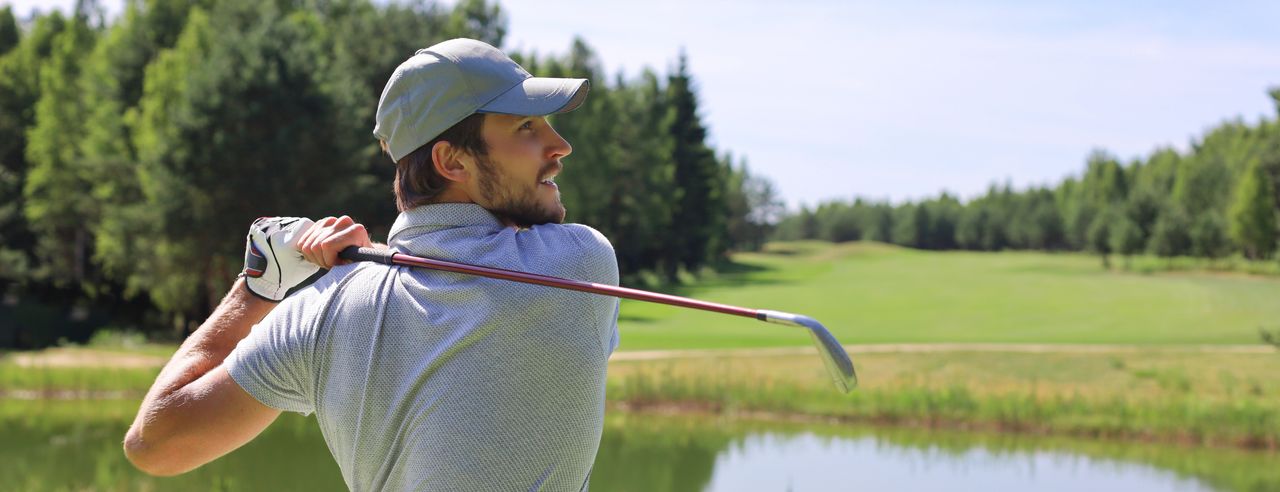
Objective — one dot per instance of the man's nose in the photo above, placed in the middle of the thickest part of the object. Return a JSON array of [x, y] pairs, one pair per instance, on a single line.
[[557, 146]]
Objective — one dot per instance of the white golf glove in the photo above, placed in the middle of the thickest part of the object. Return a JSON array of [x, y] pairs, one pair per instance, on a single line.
[[272, 263]]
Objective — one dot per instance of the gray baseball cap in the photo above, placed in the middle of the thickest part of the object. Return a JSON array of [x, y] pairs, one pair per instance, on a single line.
[[440, 86]]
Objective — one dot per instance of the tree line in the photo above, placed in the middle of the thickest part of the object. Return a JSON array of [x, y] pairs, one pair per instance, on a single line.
[[135, 152], [1220, 198]]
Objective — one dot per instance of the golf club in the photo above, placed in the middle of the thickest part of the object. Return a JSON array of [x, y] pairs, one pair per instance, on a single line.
[[833, 355]]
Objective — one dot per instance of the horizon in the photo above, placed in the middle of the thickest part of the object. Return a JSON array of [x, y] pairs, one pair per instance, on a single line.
[[877, 114]]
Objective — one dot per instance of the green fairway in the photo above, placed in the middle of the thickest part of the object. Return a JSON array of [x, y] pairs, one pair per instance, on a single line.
[[874, 293]]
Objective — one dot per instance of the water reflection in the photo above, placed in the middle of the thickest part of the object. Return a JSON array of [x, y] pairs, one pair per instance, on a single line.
[[809, 463], [76, 446], [651, 453]]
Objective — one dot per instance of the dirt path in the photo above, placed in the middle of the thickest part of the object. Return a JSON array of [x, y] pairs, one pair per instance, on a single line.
[[1024, 348], [82, 357]]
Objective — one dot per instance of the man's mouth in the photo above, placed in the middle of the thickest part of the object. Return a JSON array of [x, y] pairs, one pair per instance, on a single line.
[[549, 178]]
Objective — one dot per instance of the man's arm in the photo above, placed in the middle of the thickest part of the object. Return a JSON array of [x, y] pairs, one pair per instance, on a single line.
[[195, 412]]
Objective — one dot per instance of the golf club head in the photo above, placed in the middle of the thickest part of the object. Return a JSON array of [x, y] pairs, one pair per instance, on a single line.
[[832, 353]]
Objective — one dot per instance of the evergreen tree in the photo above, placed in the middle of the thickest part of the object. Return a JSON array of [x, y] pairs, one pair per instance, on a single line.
[[1169, 238], [641, 149], [58, 204], [228, 132], [20, 82], [9, 33], [1125, 237], [698, 216], [907, 224], [1099, 236], [1253, 215], [478, 19]]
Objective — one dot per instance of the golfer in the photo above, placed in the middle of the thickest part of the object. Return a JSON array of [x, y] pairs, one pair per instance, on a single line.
[[420, 380]]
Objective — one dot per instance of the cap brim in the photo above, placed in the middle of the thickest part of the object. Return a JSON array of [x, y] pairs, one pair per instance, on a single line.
[[539, 96]]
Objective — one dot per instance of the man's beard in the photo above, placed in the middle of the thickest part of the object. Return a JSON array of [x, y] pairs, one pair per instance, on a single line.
[[509, 200]]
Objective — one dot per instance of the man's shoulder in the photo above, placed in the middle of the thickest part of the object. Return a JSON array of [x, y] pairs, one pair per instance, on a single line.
[[590, 254], [339, 281], [583, 236], [590, 237]]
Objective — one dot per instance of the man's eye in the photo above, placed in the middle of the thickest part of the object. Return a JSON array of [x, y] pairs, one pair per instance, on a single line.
[[528, 125]]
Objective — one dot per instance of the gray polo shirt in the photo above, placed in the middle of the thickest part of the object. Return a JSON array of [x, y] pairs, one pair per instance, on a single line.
[[426, 380]]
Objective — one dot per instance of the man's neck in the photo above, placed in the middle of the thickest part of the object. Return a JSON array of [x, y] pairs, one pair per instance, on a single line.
[[453, 195]]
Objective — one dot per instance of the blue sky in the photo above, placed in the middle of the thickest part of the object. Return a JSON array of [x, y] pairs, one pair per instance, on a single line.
[[902, 100]]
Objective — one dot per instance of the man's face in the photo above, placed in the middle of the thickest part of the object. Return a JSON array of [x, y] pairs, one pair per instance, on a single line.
[[513, 180]]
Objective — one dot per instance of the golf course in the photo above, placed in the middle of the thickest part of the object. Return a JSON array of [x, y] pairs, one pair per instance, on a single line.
[[1027, 342], [1048, 346], [869, 293]]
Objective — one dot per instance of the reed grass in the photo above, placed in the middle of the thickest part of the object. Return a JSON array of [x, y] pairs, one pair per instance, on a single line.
[[1139, 396]]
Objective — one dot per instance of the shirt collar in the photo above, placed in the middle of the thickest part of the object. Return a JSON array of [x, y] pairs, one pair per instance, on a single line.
[[426, 218]]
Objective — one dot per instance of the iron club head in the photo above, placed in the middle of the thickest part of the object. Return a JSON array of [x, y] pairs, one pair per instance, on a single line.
[[833, 355]]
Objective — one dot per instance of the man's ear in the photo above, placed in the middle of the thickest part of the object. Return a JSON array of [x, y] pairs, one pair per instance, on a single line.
[[448, 161]]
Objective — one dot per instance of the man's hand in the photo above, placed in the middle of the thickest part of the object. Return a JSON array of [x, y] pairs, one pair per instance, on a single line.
[[321, 243], [281, 253], [272, 263]]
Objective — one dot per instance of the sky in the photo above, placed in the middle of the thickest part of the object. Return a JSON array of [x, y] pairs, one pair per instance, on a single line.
[[903, 100]]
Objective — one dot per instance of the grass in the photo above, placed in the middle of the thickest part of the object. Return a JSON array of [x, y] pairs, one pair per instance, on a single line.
[[874, 293], [1232, 264], [1156, 394], [1153, 386], [1201, 398], [73, 381]]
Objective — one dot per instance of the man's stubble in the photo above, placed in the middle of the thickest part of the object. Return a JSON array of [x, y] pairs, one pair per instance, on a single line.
[[512, 201]]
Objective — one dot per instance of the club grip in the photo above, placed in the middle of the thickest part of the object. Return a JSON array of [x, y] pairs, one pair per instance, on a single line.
[[356, 253]]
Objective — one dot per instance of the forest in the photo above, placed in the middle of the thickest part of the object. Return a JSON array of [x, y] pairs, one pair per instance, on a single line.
[[135, 151], [1217, 200]]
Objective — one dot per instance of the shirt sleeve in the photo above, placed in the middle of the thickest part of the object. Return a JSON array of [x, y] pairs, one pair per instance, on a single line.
[[578, 252], [274, 363], [600, 265], [613, 343]]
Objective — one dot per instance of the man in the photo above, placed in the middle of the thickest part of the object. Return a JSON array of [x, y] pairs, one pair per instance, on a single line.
[[420, 380]]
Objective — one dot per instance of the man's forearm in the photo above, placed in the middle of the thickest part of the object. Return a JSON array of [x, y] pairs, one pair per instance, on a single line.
[[203, 351]]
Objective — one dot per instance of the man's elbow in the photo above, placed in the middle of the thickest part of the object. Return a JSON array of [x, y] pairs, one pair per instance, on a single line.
[[149, 458]]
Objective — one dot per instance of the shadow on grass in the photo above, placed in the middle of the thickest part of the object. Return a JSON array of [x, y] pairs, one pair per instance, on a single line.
[[730, 267], [729, 273], [632, 318], [724, 273]]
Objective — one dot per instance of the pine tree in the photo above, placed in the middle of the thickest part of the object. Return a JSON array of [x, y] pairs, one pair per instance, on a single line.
[[231, 131], [20, 81], [1170, 238], [1253, 215], [642, 150], [699, 211], [58, 205], [9, 34], [1099, 236], [1125, 237]]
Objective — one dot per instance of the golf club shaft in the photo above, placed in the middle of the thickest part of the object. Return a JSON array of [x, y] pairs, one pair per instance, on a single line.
[[833, 355], [390, 257]]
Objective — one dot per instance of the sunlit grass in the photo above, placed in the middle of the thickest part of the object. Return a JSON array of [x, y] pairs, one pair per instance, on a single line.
[[1161, 394], [873, 293], [66, 382], [1156, 387], [1191, 397]]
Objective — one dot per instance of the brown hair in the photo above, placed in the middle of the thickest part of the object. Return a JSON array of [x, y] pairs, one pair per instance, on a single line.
[[417, 182]]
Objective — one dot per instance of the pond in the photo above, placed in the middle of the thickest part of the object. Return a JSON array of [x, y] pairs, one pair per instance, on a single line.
[[76, 446]]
